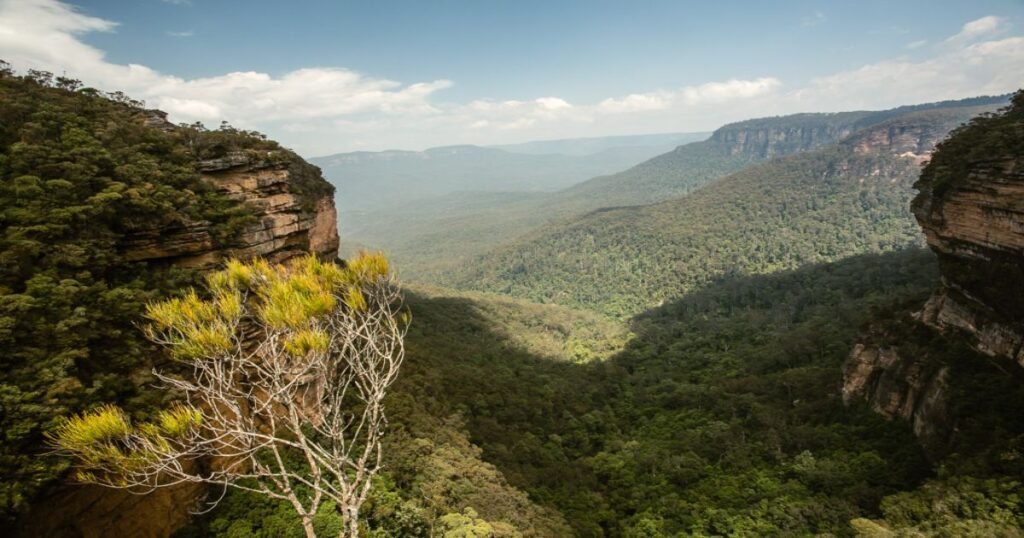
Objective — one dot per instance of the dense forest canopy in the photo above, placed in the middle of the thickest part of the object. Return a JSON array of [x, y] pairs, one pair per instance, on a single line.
[[810, 207], [696, 394], [80, 170], [721, 414]]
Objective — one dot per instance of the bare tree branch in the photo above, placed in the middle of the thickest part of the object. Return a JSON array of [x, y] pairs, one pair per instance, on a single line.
[[287, 371]]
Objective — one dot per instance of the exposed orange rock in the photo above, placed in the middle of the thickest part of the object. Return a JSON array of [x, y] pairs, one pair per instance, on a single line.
[[970, 206], [977, 230], [287, 225]]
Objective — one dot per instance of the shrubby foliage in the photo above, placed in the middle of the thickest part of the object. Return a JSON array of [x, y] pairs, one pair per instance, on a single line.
[[954, 507], [978, 141], [286, 369], [79, 170]]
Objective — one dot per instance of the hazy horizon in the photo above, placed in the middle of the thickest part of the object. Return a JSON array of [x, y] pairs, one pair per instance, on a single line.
[[401, 76]]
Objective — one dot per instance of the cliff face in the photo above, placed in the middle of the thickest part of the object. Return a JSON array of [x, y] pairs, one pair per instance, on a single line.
[[977, 229], [288, 223], [765, 142], [900, 384], [970, 206], [901, 138], [910, 131]]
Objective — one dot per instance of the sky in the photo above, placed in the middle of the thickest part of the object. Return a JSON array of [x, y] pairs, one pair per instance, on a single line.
[[332, 76]]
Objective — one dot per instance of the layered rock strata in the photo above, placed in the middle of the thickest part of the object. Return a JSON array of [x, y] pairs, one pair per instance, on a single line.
[[970, 206], [287, 223]]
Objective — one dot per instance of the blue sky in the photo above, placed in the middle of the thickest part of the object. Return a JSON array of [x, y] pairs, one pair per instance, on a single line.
[[335, 76]]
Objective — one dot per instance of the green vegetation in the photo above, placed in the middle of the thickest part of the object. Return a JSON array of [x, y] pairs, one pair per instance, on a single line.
[[285, 371], [779, 215], [80, 171], [811, 207], [974, 143], [720, 417], [954, 507], [715, 413], [436, 237], [458, 354]]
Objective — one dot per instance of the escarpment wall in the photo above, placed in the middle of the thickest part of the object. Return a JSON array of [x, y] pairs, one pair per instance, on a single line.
[[288, 222], [977, 230], [970, 206], [773, 141]]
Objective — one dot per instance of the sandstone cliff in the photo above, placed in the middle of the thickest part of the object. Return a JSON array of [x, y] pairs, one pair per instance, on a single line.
[[292, 213], [970, 206], [288, 222], [773, 137], [910, 131], [976, 228]]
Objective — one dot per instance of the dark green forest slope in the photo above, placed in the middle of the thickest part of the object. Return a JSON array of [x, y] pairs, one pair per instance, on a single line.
[[79, 170], [720, 417], [814, 207]]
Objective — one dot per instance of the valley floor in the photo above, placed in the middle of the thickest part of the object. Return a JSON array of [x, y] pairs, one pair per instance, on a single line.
[[717, 414]]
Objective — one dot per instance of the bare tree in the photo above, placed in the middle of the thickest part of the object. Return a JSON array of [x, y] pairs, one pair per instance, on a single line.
[[286, 370]]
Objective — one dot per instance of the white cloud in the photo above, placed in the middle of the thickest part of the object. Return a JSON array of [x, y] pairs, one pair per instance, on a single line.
[[553, 103], [917, 44], [637, 102], [705, 94], [813, 19], [979, 28], [722, 92], [186, 33], [987, 67], [325, 109]]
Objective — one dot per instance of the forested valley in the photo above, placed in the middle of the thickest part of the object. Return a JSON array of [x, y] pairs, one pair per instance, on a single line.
[[664, 351]]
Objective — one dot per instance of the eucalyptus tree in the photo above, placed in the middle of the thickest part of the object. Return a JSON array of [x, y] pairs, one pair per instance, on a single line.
[[283, 371]]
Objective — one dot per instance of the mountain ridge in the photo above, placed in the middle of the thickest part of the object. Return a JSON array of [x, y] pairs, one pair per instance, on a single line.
[[766, 217]]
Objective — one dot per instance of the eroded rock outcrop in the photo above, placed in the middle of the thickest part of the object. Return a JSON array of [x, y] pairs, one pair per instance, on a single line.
[[288, 223], [900, 384], [977, 229], [970, 207], [793, 134], [293, 213]]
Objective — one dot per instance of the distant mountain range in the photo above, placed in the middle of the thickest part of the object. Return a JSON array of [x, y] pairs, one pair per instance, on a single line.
[[370, 180], [441, 238], [824, 202], [590, 146]]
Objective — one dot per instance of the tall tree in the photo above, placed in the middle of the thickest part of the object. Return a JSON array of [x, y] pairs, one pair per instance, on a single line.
[[285, 373]]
